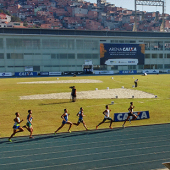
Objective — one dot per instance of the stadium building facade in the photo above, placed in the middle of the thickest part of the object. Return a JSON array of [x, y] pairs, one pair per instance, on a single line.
[[67, 50]]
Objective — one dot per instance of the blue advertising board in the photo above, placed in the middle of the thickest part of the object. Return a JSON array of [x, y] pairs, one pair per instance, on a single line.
[[25, 73], [128, 72], [122, 54], [44, 73], [123, 116], [151, 71], [5, 74]]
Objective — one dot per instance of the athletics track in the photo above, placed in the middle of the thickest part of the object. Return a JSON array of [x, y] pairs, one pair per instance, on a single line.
[[132, 148]]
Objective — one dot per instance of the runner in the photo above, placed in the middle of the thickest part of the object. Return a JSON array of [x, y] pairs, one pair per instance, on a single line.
[[16, 126], [130, 113], [65, 121], [29, 126], [80, 120], [106, 117]]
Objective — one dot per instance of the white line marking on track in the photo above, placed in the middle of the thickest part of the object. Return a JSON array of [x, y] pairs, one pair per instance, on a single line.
[[108, 146], [98, 137], [106, 159], [80, 144], [131, 164]]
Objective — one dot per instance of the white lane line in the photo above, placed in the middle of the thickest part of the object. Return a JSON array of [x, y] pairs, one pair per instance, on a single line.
[[155, 160], [91, 161], [148, 131], [80, 144], [99, 137], [116, 140], [74, 150]]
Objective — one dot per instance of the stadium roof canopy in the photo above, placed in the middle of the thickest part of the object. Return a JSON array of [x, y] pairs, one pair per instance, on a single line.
[[25, 31]]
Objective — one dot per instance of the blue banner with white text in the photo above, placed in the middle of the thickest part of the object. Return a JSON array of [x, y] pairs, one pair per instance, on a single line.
[[25, 74], [118, 117], [44, 73], [128, 72]]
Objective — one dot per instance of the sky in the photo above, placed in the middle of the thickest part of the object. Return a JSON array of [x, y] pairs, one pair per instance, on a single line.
[[129, 4]]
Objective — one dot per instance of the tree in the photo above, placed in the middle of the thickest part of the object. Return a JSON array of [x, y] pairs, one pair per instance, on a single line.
[[15, 19], [25, 23]]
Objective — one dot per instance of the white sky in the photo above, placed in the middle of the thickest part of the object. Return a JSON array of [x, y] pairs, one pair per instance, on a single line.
[[129, 4]]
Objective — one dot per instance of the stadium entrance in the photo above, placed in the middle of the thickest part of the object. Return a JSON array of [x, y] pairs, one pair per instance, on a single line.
[[88, 67]]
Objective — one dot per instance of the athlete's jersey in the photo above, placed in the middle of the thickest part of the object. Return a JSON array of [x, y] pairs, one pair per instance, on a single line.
[[107, 113], [28, 118], [66, 117], [80, 115], [131, 109], [16, 123]]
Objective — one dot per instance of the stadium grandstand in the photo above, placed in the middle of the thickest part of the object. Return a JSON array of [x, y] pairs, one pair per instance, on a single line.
[[46, 50]]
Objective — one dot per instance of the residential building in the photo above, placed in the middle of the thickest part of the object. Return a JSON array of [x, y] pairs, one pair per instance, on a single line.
[[4, 18]]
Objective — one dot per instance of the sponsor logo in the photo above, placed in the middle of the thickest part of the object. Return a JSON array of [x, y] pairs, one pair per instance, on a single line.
[[25, 73], [44, 73], [104, 72], [112, 61], [5, 74], [123, 49], [123, 116], [131, 61], [128, 72], [54, 73], [150, 71]]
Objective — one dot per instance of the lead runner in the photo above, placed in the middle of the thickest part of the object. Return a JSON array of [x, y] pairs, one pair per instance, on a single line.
[[130, 113], [16, 127]]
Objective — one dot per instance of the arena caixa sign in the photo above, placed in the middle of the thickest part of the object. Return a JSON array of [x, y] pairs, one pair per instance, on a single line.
[[122, 54]]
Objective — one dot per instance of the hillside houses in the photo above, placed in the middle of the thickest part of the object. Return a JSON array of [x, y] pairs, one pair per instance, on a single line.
[[5, 21], [78, 14]]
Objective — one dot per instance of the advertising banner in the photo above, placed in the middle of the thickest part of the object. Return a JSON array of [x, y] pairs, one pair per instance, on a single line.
[[5, 74], [88, 62], [25, 73], [103, 72], [44, 73], [123, 116], [54, 73], [121, 62], [122, 54], [150, 71], [28, 68], [128, 72]]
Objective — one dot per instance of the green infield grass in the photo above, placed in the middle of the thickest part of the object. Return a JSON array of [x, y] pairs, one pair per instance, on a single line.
[[47, 113]]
